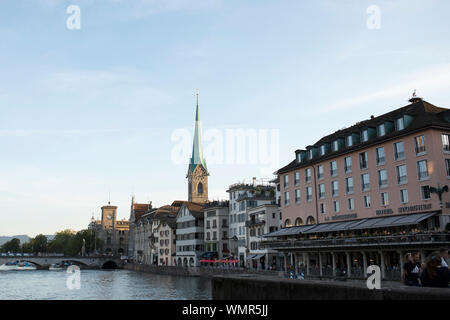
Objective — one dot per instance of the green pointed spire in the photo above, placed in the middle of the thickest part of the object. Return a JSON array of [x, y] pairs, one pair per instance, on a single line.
[[197, 149]]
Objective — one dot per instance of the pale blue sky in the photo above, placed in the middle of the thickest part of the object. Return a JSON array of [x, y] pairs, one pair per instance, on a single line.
[[91, 111]]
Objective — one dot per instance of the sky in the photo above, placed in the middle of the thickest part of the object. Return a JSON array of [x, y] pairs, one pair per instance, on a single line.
[[105, 111]]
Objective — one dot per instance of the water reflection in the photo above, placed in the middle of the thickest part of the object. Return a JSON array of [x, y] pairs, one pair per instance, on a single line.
[[102, 284]]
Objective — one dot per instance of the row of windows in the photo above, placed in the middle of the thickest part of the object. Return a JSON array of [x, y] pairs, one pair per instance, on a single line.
[[352, 139], [198, 247], [384, 200], [402, 178], [214, 235], [399, 154], [190, 236]]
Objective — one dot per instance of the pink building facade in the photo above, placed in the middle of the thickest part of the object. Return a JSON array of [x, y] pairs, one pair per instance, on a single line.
[[377, 182]]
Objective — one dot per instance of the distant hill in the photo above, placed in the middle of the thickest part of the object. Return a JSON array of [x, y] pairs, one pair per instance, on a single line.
[[23, 238]]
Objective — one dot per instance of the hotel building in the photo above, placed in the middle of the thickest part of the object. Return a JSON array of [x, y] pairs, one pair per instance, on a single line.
[[367, 194]]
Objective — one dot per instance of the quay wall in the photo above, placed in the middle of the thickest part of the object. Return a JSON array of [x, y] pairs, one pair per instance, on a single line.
[[190, 271], [253, 287]]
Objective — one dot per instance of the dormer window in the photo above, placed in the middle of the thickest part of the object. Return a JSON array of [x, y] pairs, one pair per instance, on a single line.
[[322, 150], [399, 124], [365, 135], [381, 130], [310, 154], [349, 141], [299, 157], [335, 145]]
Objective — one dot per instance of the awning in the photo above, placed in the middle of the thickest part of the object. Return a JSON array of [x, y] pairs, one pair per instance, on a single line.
[[208, 255], [257, 257], [251, 256], [368, 223]]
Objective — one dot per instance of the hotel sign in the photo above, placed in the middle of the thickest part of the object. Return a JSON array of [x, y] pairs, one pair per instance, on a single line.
[[345, 216], [415, 208], [384, 211]]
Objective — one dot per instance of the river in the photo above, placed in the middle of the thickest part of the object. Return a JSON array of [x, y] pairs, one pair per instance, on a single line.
[[101, 285]]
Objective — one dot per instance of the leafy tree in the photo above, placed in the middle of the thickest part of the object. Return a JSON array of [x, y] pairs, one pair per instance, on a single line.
[[27, 247], [12, 245], [40, 243]]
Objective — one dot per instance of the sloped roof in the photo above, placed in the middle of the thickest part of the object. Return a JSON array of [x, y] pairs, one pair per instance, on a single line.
[[424, 115]]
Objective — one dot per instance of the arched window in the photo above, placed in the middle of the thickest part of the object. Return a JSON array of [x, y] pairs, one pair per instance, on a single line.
[[200, 188], [287, 223], [298, 222], [310, 220]]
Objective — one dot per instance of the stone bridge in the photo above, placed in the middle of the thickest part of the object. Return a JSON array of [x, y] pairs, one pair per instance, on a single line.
[[84, 262]]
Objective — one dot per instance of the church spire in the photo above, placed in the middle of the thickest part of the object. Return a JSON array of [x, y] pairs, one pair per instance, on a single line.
[[197, 149]]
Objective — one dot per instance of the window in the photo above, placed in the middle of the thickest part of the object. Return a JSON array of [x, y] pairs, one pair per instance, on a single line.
[[286, 181], [447, 166], [402, 176], [363, 163], [399, 151], [310, 154], [336, 206], [422, 169], [365, 182], [286, 198], [365, 135], [382, 179], [426, 194], [320, 172], [297, 178], [322, 150], [200, 188], [349, 185], [321, 191], [309, 194], [381, 130], [420, 144], [335, 188], [381, 159], [299, 157], [400, 124], [404, 195], [322, 208], [349, 141], [446, 142], [297, 196], [351, 204], [366, 201], [308, 175], [384, 199], [333, 168], [348, 164], [335, 145]]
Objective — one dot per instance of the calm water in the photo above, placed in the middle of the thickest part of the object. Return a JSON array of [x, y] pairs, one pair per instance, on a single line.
[[101, 284]]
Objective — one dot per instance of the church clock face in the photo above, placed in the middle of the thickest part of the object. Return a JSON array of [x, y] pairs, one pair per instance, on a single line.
[[109, 216]]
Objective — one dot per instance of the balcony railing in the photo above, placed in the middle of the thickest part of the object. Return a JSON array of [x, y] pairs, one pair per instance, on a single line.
[[255, 222], [381, 160], [348, 169], [399, 155], [359, 241], [402, 180]]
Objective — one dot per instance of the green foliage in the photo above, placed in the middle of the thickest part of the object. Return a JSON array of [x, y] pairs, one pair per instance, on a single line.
[[12, 245], [39, 243], [70, 242]]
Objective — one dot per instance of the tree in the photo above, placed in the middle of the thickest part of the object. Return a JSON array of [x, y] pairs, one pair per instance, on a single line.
[[27, 247], [61, 242], [40, 243], [12, 245]]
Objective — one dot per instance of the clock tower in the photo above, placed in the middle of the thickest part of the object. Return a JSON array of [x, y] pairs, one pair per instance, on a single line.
[[197, 171], [109, 216]]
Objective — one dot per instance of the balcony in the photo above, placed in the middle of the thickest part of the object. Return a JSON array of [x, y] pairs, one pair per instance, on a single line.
[[363, 241], [254, 222]]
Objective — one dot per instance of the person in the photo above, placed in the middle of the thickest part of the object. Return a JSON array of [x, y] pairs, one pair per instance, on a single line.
[[434, 274], [444, 255], [411, 270]]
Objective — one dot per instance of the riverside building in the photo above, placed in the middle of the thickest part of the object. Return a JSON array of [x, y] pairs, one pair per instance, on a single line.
[[243, 197], [367, 194]]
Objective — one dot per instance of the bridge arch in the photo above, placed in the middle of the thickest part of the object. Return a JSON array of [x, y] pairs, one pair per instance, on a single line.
[[109, 265]]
